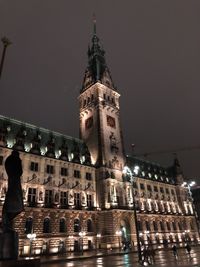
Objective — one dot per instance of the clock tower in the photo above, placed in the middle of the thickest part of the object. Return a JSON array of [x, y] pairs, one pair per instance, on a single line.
[[100, 124]]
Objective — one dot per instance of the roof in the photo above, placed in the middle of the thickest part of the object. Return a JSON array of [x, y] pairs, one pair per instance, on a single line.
[[149, 170], [37, 140]]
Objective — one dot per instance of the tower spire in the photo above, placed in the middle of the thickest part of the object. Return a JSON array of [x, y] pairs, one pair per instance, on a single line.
[[97, 69], [94, 24]]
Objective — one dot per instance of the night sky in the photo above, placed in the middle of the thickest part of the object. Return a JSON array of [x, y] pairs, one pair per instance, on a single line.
[[152, 50]]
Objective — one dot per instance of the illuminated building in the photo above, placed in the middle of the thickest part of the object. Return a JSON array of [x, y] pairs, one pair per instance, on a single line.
[[80, 193]]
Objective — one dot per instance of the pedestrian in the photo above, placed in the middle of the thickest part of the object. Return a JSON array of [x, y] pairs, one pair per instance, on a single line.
[[174, 249], [188, 249], [145, 257], [152, 255]]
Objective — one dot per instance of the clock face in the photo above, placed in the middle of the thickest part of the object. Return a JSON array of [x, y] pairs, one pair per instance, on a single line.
[[111, 121], [89, 123]]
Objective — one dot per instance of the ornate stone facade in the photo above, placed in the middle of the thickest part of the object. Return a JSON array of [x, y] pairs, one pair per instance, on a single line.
[[80, 193]]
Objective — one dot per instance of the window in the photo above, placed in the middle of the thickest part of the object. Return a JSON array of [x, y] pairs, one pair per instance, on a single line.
[[89, 122], [32, 196], [147, 225], [139, 224], [168, 226], [47, 226], [29, 225], [34, 166], [104, 96], [62, 225], [50, 169], [161, 190], [155, 226], [48, 197], [88, 176], [89, 200], [89, 226], [149, 188], [77, 200], [162, 227], [77, 174], [111, 121], [64, 171], [174, 226], [172, 191], [77, 227], [167, 190], [142, 186], [155, 188], [1, 160], [63, 198]]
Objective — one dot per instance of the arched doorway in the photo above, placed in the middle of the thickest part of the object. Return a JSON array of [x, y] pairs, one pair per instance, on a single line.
[[126, 233]]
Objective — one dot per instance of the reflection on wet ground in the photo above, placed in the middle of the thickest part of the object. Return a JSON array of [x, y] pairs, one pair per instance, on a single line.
[[162, 259]]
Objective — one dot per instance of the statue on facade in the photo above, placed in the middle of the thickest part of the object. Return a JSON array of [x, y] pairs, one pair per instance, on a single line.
[[13, 204]]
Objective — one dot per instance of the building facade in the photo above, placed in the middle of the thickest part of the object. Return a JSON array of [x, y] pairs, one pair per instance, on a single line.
[[80, 194]]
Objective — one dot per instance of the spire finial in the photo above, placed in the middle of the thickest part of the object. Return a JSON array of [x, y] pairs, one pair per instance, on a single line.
[[94, 24]]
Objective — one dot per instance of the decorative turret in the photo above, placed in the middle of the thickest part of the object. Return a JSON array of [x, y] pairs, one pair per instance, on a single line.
[[64, 151], [86, 154], [76, 152], [176, 171], [36, 143], [20, 139], [97, 70], [51, 147]]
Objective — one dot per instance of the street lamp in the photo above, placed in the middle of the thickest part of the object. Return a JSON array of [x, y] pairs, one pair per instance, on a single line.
[[6, 42], [31, 237], [98, 241], [128, 172], [82, 234], [119, 233]]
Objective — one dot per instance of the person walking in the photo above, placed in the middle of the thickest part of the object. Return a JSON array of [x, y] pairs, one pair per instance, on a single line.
[[188, 249], [174, 249]]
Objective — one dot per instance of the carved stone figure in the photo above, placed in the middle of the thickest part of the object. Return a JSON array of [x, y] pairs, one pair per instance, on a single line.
[[13, 204]]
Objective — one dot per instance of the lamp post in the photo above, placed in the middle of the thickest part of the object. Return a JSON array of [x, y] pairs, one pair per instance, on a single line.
[[98, 241], [6, 42], [136, 171], [31, 237], [82, 234], [189, 186], [147, 236], [119, 233]]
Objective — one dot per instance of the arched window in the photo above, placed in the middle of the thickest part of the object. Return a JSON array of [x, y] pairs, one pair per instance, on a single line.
[[139, 225], [180, 226], [47, 225], [162, 227], [192, 225], [147, 225], [77, 226], [168, 226], [155, 226], [29, 225], [62, 225], [174, 226], [89, 226]]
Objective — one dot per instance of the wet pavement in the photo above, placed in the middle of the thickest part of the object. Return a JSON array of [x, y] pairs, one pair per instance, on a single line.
[[163, 258]]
